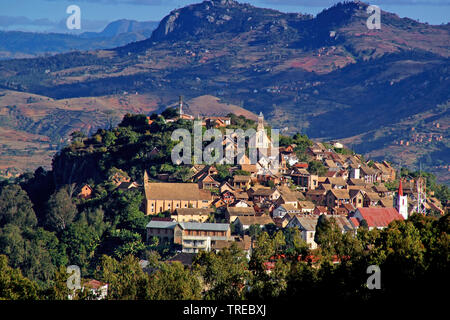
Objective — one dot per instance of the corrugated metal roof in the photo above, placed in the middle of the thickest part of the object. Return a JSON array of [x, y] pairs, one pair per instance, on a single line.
[[354, 222], [204, 226], [162, 224], [379, 217]]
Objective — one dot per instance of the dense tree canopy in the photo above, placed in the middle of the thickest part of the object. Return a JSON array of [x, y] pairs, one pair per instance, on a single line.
[[16, 207], [61, 211]]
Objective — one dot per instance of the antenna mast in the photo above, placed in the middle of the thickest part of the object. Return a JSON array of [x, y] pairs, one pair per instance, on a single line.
[[421, 193]]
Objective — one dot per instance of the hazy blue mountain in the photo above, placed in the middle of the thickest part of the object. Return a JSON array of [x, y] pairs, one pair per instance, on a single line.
[[17, 44]]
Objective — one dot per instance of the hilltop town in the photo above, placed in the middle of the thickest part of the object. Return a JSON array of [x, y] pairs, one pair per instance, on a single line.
[[115, 205], [207, 212]]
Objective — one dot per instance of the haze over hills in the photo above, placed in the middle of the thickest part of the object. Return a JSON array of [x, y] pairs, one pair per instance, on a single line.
[[18, 44], [328, 76]]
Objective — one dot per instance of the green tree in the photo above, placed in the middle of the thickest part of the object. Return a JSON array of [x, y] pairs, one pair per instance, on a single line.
[[317, 167], [327, 235], [126, 279], [263, 250], [13, 285], [254, 230], [61, 210], [224, 273], [16, 207], [109, 138], [174, 282], [123, 210], [81, 241], [13, 245], [44, 254], [183, 174], [170, 113]]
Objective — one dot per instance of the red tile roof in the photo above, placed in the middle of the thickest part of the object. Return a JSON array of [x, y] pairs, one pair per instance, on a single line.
[[354, 221], [379, 217], [94, 284]]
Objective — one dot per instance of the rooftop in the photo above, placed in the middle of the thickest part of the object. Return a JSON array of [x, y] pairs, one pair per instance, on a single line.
[[308, 223], [204, 226], [162, 224], [175, 191], [193, 211], [236, 211], [379, 217], [261, 220]]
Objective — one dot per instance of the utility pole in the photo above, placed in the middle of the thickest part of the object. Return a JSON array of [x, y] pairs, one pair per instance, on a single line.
[[421, 193]]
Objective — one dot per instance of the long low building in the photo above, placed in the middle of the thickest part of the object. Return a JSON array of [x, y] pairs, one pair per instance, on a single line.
[[192, 236], [161, 197]]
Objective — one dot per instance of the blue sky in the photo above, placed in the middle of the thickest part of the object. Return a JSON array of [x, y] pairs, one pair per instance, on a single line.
[[50, 15]]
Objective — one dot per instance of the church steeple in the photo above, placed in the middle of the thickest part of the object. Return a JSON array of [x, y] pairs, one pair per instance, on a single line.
[[145, 178], [402, 201], [260, 122], [180, 106]]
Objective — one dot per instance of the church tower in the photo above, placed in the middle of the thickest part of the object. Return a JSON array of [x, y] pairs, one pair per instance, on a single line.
[[180, 106], [145, 180], [402, 202], [260, 122], [262, 140]]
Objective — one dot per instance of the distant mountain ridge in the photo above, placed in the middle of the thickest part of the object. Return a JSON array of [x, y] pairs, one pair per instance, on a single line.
[[121, 26], [328, 76], [18, 44]]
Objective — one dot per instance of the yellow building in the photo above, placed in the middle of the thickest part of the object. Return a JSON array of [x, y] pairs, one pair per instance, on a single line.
[[191, 214], [161, 197]]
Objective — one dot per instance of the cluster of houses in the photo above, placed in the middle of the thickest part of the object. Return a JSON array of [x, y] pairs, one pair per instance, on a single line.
[[205, 214], [351, 191]]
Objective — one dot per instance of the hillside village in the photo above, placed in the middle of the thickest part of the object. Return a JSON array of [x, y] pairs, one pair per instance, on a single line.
[[123, 202], [117, 200], [205, 214]]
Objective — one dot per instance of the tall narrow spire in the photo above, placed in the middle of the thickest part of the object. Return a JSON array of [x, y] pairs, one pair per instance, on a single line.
[[400, 188], [145, 178], [180, 106], [402, 201], [260, 122]]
